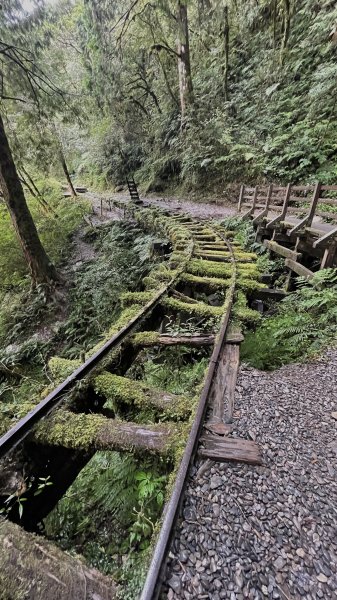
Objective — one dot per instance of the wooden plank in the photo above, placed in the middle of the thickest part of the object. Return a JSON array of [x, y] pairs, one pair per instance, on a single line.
[[219, 428], [173, 340], [224, 384], [251, 210], [325, 238], [332, 188], [266, 294], [298, 268], [33, 567], [234, 338], [223, 388], [329, 256], [264, 212], [281, 250], [223, 449], [281, 216], [303, 188], [242, 189]]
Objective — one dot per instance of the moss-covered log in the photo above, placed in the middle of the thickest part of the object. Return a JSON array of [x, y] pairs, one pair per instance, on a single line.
[[152, 338], [121, 390], [215, 269], [95, 432], [198, 310], [31, 568]]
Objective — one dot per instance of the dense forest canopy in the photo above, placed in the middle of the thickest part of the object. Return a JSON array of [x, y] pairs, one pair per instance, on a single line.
[[179, 93]]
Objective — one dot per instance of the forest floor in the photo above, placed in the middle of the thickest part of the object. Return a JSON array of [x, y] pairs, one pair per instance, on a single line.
[[267, 531]]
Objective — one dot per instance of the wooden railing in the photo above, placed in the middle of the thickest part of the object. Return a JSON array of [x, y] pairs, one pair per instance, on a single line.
[[294, 207]]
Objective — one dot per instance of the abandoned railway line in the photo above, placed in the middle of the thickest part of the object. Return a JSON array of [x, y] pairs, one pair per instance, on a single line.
[[82, 414], [205, 277]]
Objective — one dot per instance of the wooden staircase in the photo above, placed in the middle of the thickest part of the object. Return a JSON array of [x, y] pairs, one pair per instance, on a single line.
[[133, 191]]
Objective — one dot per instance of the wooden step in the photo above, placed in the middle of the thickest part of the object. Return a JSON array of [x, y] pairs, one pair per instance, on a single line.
[[223, 389], [223, 449]]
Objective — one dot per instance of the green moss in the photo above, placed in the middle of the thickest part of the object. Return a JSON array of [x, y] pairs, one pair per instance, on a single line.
[[224, 257], [95, 432], [200, 309], [241, 311], [222, 252], [211, 268], [118, 389], [151, 283], [145, 338], [212, 283], [69, 430], [130, 298], [248, 285], [61, 368]]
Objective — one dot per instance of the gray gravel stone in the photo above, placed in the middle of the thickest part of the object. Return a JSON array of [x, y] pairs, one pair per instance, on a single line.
[[266, 531]]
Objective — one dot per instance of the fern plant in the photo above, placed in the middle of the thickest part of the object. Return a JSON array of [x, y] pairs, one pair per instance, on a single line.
[[304, 324]]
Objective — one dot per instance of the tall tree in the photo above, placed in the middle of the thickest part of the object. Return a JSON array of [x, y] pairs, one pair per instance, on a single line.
[[21, 79], [184, 62], [40, 266]]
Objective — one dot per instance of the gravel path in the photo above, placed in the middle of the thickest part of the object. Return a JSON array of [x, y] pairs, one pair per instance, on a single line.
[[268, 531], [200, 210]]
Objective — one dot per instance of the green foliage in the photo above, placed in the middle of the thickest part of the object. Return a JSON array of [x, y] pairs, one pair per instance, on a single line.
[[110, 509], [303, 324], [55, 233], [177, 370], [124, 257]]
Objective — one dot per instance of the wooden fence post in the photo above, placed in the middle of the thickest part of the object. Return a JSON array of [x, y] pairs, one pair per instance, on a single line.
[[242, 189], [313, 204]]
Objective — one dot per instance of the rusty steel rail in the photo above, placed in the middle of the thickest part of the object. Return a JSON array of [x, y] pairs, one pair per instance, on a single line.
[[156, 572]]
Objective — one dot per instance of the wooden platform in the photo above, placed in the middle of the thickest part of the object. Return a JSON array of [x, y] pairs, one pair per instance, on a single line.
[[223, 449]]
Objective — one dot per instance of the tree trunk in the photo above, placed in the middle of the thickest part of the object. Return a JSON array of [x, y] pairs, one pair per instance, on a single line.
[[40, 266], [25, 183], [184, 64], [66, 172], [226, 41], [87, 432], [286, 27], [32, 568], [32, 182]]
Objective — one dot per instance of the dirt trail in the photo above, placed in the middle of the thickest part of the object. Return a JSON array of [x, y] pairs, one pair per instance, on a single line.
[[200, 210]]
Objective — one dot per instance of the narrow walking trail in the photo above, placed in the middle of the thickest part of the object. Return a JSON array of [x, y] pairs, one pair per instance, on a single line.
[[267, 531]]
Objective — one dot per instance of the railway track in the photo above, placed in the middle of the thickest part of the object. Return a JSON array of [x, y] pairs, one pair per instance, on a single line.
[[71, 422]]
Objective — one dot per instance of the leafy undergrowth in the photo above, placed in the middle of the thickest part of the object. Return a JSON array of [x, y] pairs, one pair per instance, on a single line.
[[54, 227], [110, 511], [32, 329], [303, 324]]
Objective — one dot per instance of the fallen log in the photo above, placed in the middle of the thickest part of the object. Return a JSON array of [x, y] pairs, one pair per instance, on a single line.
[[96, 432], [32, 568], [152, 338]]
